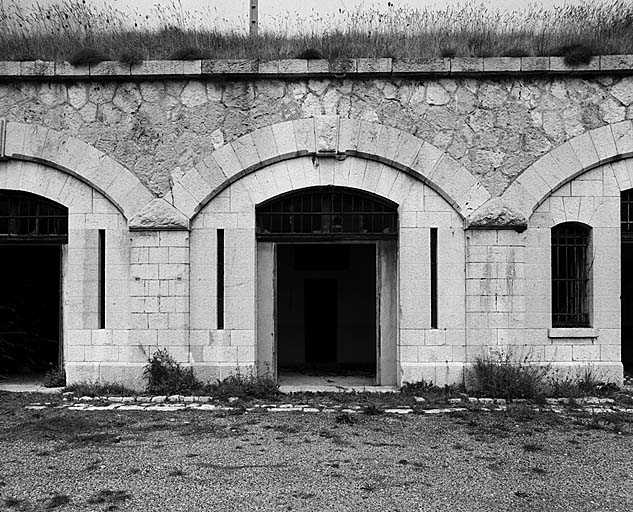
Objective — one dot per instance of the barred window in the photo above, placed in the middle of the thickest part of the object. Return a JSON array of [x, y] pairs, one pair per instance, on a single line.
[[570, 275], [25, 216]]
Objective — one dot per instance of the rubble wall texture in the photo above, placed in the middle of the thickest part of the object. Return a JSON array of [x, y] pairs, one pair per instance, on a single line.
[[495, 128]]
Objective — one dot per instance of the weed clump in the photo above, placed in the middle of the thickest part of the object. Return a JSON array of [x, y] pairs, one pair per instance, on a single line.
[[310, 54], [575, 54], [87, 57], [165, 376], [505, 377], [132, 57], [244, 386], [93, 389]]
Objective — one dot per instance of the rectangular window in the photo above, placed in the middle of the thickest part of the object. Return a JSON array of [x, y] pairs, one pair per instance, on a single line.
[[570, 275], [220, 279], [102, 278], [434, 278]]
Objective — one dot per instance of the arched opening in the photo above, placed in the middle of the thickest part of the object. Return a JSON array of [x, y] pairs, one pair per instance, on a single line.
[[33, 231], [331, 252]]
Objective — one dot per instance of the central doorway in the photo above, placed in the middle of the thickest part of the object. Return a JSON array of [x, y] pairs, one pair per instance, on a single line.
[[327, 287], [326, 310]]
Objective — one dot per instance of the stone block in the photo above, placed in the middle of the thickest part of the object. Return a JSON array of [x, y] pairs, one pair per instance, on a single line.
[[157, 68], [284, 135], [374, 66], [265, 145], [230, 66], [10, 68], [535, 64], [623, 137], [37, 68], [246, 151], [349, 130], [421, 66], [304, 131], [228, 161], [293, 66], [110, 68], [467, 65], [343, 66], [604, 143], [586, 352], [616, 62], [318, 66], [268, 67], [326, 130], [502, 64], [66, 69]]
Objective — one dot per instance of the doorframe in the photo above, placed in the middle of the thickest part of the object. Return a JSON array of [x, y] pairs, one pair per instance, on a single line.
[[386, 292]]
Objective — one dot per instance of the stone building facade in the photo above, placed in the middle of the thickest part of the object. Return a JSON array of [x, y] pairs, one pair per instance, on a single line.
[[505, 182]]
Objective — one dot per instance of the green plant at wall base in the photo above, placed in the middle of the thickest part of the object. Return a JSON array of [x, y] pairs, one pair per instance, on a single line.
[[94, 389], [505, 376], [165, 376], [244, 386]]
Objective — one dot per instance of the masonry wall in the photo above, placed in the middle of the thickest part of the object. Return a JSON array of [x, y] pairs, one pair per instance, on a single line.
[[491, 156]]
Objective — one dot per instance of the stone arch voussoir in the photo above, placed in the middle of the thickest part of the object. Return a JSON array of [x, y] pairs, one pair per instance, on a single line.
[[564, 163], [38, 144], [328, 136]]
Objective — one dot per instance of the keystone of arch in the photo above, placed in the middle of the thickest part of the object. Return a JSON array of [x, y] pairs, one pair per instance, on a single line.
[[35, 143], [328, 136], [564, 163]]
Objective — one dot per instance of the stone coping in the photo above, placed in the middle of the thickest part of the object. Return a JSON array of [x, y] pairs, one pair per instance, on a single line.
[[433, 67]]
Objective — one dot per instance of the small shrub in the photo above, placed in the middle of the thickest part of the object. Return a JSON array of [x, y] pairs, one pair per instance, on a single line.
[[506, 377], [165, 376], [189, 53], [132, 57], [310, 54], [87, 388], [87, 57], [56, 501], [244, 386], [575, 54], [55, 378], [448, 52]]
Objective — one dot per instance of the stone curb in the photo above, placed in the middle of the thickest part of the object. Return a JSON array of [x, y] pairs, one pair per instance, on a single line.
[[178, 402], [456, 66]]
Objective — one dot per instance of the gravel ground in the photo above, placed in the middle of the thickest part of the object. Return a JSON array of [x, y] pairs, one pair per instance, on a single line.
[[191, 460]]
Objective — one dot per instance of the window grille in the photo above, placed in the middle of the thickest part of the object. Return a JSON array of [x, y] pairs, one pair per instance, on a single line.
[[328, 213], [626, 215], [25, 216], [570, 275]]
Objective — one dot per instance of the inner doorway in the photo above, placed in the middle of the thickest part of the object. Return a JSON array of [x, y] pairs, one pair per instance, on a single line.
[[32, 233], [326, 310]]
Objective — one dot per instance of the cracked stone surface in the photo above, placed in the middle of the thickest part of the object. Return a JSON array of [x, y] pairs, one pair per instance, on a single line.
[[495, 128]]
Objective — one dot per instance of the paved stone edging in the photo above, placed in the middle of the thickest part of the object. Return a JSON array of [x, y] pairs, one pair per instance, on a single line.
[[178, 402], [456, 66]]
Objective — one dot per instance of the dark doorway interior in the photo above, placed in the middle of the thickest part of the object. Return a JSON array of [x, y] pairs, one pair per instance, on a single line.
[[627, 305], [326, 309], [29, 308]]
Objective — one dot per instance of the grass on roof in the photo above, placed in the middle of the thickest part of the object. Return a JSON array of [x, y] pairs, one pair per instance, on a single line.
[[59, 31]]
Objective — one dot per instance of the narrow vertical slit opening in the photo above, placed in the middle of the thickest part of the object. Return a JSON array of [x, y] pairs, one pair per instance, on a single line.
[[220, 279], [102, 279], [433, 278]]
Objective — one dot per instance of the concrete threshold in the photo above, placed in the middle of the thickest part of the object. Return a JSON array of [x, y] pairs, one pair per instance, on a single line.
[[286, 389]]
